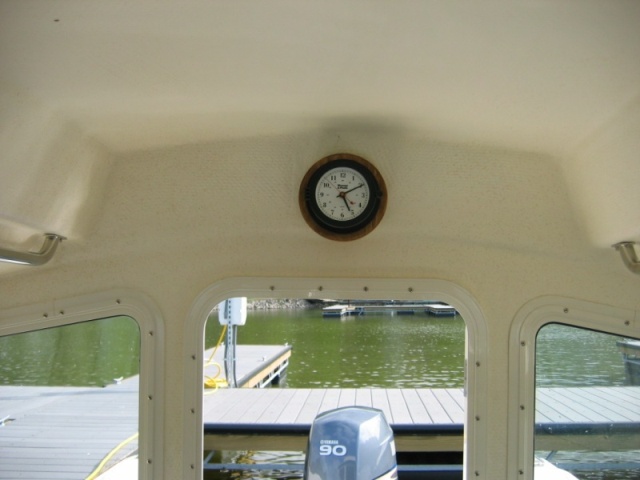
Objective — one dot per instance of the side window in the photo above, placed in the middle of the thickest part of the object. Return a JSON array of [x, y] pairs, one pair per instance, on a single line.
[[69, 400], [587, 417]]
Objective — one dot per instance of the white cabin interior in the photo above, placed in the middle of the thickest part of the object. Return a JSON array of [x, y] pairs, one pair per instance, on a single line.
[[166, 142]]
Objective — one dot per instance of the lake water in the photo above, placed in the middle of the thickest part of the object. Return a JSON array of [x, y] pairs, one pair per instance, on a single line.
[[85, 354], [366, 351], [385, 351]]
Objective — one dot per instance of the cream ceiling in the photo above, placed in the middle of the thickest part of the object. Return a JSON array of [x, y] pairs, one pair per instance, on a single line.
[[86, 81], [531, 75]]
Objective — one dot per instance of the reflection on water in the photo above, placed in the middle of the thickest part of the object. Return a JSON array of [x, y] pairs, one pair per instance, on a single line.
[[257, 458], [603, 465], [385, 351], [84, 354], [569, 356]]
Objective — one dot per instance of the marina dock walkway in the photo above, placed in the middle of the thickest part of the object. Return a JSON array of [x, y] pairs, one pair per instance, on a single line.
[[590, 418], [256, 366], [422, 419], [347, 310], [65, 432]]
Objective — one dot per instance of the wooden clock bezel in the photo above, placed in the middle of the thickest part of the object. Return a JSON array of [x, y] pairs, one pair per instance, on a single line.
[[334, 230]]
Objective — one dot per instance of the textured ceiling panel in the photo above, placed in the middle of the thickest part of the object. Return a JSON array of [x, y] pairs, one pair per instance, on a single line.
[[527, 75]]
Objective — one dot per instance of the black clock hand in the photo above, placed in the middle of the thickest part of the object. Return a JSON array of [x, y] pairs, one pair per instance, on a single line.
[[354, 188], [344, 197]]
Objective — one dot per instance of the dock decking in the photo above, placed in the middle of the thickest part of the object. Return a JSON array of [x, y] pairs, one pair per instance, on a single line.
[[65, 432], [51, 432], [422, 419], [437, 309], [256, 366], [588, 418], [591, 418]]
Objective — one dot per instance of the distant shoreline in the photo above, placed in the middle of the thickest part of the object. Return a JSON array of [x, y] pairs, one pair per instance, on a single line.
[[278, 304], [259, 304]]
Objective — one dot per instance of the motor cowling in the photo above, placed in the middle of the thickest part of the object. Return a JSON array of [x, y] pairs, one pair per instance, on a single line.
[[351, 443]]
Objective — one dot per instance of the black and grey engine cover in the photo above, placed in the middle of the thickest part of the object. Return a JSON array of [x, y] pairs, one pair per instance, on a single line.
[[351, 443]]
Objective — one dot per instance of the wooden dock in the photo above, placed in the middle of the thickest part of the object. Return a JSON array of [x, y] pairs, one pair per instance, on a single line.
[[256, 366], [349, 310], [423, 420], [65, 432], [441, 310], [588, 418], [338, 311]]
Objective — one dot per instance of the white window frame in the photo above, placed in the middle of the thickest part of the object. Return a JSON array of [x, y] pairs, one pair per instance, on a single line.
[[528, 321], [145, 313], [398, 289]]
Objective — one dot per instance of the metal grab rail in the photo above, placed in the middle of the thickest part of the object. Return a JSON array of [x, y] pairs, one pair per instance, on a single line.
[[45, 254], [629, 257]]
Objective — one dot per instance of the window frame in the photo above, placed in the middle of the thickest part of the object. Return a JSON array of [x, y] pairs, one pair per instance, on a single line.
[[113, 303], [522, 355], [476, 432]]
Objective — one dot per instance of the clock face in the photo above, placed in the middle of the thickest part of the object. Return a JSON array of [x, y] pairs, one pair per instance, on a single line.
[[342, 197], [342, 194]]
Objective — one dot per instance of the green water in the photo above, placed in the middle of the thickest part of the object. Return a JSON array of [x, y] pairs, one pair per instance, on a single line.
[[370, 351], [84, 354], [367, 351]]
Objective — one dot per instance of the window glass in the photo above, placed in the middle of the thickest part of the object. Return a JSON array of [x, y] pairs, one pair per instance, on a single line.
[[69, 400], [386, 354], [587, 420]]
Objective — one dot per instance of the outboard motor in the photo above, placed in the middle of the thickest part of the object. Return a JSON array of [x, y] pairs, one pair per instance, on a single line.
[[351, 443]]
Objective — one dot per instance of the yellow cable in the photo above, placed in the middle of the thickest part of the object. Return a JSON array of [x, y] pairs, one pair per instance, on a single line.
[[224, 329], [215, 382], [210, 382], [104, 461]]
